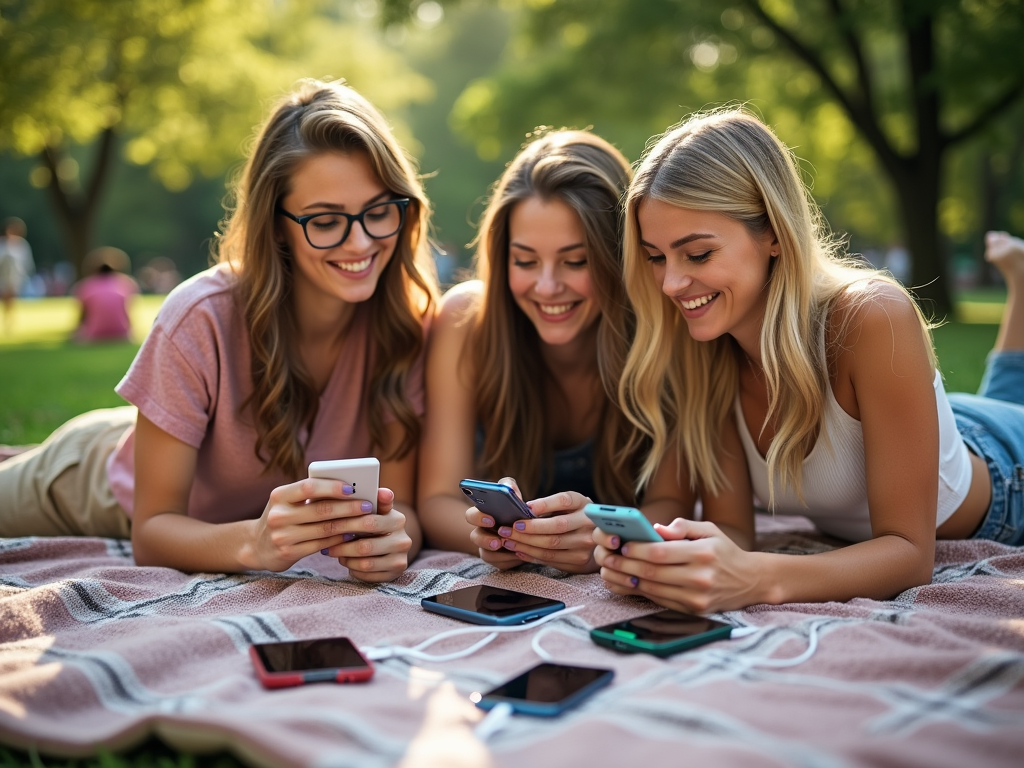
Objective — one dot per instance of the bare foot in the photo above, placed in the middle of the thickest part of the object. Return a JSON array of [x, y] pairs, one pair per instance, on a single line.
[[1006, 252]]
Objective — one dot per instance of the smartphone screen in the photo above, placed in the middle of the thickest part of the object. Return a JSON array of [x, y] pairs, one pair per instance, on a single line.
[[547, 689], [665, 627], [310, 655], [493, 601]]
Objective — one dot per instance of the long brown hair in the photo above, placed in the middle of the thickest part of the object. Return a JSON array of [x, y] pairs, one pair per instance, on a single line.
[[589, 175], [321, 117]]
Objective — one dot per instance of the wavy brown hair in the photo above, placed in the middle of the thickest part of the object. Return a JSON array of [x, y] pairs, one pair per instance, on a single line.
[[321, 117], [590, 176]]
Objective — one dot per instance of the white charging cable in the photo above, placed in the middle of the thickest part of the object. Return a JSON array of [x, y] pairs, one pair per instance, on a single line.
[[812, 646], [495, 720], [417, 651]]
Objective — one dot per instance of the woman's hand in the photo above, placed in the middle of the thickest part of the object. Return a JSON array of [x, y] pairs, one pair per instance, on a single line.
[[561, 536], [374, 547], [301, 518], [697, 569]]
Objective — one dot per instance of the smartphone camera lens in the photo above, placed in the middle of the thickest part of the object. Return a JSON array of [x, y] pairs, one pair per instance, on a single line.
[[467, 491]]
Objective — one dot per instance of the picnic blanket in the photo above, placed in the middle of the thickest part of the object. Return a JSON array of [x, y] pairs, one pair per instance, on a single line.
[[96, 651]]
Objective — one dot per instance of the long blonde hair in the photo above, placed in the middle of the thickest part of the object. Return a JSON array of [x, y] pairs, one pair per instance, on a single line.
[[321, 117], [589, 175], [672, 387]]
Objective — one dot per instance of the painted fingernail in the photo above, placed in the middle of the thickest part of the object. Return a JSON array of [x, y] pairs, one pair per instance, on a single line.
[[324, 551], [487, 522], [347, 536], [615, 542], [520, 526], [366, 506], [521, 556], [504, 531], [494, 543], [634, 580], [510, 545], [347, 489], [625, 549]]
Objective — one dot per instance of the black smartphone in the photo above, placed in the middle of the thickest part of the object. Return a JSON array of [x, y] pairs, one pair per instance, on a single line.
[[297, 662], [497, 500], [547, 689], [663, 633], [482, 604]]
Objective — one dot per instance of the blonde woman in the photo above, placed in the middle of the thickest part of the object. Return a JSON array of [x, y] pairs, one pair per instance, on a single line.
[[303, 343], [776, 365], [521, 362]]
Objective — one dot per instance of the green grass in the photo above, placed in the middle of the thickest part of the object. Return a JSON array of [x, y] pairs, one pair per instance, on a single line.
[[150, 754]]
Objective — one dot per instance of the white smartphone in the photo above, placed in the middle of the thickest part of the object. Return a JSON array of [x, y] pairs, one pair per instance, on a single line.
[[362, 474]]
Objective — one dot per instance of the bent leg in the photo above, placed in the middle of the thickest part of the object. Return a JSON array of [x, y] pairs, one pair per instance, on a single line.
[[60, 487], [1004, 370]]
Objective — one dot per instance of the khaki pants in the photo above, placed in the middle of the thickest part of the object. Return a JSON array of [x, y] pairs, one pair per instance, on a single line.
[[60, 488]]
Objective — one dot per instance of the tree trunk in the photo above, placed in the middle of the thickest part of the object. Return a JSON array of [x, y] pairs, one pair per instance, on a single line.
[[919, 203], [77, 212]]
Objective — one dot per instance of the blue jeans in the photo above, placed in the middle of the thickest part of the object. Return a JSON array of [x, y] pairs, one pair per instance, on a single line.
[[992, 425]]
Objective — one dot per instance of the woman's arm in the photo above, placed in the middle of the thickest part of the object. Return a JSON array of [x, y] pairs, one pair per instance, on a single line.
[[449, 427], [300, 518], [884, 379]]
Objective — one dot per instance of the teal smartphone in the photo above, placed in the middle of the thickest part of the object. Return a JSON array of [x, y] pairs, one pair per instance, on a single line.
[[547, 690], [627, 523], [662, 634]]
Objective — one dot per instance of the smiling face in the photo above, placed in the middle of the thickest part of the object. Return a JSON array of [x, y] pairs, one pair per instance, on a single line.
[[548, 273], [711, 267], [348, 272]]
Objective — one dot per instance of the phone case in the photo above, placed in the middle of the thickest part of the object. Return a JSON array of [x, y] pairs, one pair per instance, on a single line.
[[545, 708], [627, 523], [301, 677], [497, 500], [615, 637], [362, 474], [482, 618]]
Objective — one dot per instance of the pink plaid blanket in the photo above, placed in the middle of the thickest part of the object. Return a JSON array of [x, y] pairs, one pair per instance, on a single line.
[[96, 651]]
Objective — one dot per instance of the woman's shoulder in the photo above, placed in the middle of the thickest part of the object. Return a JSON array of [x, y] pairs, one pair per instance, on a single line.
[[871, 314], [459, 306], [205, 294]]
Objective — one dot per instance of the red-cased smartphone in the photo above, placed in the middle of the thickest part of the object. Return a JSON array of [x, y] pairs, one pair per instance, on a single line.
[[329, 659]]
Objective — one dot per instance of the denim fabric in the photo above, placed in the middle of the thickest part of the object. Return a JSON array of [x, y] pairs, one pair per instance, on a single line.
[[992, 425]]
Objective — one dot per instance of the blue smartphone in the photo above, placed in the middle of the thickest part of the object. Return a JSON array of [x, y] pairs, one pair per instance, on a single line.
[[497, 500], [482, 604], [627, 523], [546, 690]]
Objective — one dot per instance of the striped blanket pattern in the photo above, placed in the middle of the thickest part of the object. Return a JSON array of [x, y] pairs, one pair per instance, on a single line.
[[98, 652]]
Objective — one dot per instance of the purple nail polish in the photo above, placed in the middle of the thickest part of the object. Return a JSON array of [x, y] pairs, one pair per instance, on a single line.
[[625, 549], [520, 526], [324, 551], [494, 543], [504, 531], [634, 580], [347, 536], [614, 543], [366, 506], [347, 489], [510, 545], [487, 522]]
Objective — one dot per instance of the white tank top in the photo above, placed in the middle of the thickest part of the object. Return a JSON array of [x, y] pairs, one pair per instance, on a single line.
[[835, 483]]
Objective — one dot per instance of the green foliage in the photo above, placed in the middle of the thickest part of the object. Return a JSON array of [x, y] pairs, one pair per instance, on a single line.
[[151, 754], [858, 115]]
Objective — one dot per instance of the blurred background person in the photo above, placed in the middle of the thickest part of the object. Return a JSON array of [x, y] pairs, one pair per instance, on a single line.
[[104, 296], [16, 266]]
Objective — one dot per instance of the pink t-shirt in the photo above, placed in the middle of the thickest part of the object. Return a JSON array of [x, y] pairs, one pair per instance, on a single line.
[[193, 373], [104, 299]]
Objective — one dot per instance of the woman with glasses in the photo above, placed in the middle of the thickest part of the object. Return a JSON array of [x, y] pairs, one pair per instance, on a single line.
[[303, 343], [523, 365]]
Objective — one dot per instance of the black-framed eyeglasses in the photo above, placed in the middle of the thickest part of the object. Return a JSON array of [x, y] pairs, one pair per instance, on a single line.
[[329, 230]]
